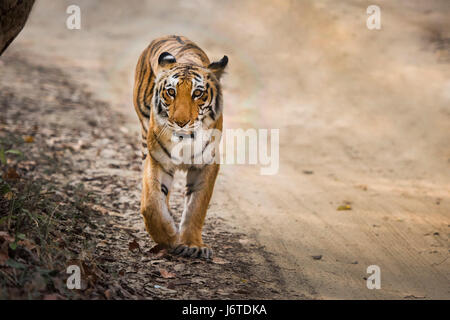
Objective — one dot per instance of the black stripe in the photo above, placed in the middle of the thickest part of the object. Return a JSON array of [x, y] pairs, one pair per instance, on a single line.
[[197, 76], [157, 45], [160, 110], [179, 40], [143, 132], [195, 155], [193, 187], [151, 86], [217, 104], [187, 47], [210, 91], [164, 189], [140, 82], [145, 111], [161, 145], [161, 166]]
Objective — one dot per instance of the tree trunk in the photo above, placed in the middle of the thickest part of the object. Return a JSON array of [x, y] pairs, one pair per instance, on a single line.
[[13, 15]]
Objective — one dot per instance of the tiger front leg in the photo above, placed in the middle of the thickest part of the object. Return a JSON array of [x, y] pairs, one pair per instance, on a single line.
[[200, 185], [154, 209]]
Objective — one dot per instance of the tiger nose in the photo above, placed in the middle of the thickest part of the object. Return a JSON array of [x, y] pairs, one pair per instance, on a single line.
[[181, 123]]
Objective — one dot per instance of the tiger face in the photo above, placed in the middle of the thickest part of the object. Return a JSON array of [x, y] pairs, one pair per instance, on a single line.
[[187, 97]]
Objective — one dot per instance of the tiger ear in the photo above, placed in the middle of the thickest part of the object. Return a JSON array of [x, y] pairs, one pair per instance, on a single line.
[[166, 59], [218, 67]]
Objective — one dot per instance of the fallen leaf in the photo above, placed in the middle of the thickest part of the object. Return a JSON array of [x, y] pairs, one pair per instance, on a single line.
[[242, 291], [105, 211], [157, 248], [16, 152], [166, 274], [179, 267], [414, 297], [102, 244], [171, 286], [9, 195], [28, 139], [133, 245], [243, 241], [344, 207], [108, 294], [5, 236], [127, 229], [161, 254], [11, 174], [218, 260], [222, 292], [180, 282]]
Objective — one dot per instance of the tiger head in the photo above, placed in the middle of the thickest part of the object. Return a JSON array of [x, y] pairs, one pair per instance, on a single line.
[[187, 97]]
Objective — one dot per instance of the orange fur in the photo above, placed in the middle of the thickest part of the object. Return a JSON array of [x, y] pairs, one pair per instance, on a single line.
[[176, 91]]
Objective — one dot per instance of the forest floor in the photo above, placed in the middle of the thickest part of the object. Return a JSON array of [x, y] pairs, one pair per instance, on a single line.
[[70, 196]]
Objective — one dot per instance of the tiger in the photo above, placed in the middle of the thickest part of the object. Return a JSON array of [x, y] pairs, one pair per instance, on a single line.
[[177, 92]]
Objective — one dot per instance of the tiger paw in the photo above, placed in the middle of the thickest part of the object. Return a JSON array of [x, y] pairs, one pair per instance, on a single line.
[[193, 251]]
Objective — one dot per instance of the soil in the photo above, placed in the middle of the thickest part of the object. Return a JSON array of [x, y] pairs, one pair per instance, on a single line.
[[364, 125], [94, 221]]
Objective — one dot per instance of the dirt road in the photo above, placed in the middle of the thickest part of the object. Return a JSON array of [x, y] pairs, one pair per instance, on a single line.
[[364, 119]]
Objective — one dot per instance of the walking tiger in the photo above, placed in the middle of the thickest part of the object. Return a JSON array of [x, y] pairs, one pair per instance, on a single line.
[[177, 92]]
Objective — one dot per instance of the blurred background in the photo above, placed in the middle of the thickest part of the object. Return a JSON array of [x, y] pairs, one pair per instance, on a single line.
[[364, 119]]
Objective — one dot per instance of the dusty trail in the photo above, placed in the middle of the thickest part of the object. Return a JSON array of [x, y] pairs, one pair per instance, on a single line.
[[364, 113]]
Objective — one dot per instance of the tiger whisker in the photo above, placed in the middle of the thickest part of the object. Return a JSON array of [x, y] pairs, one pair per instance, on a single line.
[[158, 135]]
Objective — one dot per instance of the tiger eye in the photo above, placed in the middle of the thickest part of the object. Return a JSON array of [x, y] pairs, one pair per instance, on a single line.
[[171, 92], [197, 93]]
